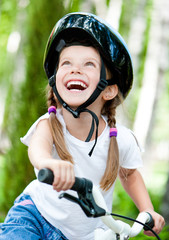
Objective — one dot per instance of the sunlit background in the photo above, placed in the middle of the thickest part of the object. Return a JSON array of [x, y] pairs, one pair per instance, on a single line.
[[24, 29]]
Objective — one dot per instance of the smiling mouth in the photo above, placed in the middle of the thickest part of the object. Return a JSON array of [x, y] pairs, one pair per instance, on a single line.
[[76, 86]]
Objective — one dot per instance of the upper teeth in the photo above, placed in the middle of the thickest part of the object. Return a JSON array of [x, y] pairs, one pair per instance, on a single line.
[[69, 84]]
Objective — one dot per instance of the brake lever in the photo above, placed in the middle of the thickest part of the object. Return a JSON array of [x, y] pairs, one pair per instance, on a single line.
[[83, 187], [86, 209], [86, 201]]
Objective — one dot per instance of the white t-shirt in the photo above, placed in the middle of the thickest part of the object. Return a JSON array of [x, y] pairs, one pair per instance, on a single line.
[[68, 216]]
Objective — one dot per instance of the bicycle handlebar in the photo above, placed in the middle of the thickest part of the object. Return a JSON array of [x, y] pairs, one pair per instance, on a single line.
[[83, 187], [92, 203], [45, 175]]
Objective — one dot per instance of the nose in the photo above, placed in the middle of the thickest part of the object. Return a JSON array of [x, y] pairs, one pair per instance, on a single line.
[[76, 69]]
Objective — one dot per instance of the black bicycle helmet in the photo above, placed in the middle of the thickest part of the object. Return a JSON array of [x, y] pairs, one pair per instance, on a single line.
[[109, 42], [73, 29]]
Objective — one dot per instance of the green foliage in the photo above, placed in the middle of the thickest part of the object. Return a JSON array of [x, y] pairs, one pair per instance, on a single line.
[[2, 214], [74, 5], [163, 235], [127, 12], [107, 2], [8, 12], [143, 53], [160, 134], [27, 102], [123, 205]]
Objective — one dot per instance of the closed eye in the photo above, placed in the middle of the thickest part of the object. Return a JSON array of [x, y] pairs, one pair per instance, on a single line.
[[65, 63], [89, 63]]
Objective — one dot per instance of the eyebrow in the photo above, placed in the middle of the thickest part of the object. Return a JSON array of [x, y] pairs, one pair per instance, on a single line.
[[86, 59]]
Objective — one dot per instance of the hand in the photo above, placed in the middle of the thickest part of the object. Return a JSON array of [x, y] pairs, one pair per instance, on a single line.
[[63, 171], [64, 177], [159, 223]]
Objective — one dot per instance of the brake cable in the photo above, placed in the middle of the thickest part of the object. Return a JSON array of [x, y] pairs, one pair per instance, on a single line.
[[134, 220]]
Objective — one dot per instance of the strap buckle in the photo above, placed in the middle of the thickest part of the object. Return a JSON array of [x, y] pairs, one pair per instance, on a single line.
[[102, 84], [52, 81]]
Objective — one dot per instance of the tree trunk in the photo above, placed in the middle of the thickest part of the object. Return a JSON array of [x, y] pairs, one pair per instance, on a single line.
[[153, 74]]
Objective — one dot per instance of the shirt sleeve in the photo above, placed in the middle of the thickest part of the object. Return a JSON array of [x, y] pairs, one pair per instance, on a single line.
[[26, 139], [129, 149]]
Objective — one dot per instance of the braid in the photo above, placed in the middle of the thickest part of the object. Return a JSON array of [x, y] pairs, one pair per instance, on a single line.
[[51, 101], [112, 167], [56, 129]]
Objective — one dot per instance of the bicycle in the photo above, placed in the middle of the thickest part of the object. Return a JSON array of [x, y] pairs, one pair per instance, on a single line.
[[92, 203]]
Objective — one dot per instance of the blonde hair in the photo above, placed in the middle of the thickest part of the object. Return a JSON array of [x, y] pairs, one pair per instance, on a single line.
[[109, 110], [56, 129]]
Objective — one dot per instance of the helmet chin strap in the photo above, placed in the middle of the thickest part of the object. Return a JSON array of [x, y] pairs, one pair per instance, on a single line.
[[83, 108]]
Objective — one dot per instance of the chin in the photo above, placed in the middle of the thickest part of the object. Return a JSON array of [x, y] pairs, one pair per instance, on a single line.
[[74, 103]]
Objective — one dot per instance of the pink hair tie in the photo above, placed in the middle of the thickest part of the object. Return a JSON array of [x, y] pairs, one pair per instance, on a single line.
[[52, 109], [113, 132]]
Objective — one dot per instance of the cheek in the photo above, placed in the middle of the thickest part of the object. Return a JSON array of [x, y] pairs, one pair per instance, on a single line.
[[59, 76], [95, 78], [93, 74]]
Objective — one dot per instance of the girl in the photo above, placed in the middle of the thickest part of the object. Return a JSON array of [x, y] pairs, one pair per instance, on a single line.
[[90, 72]]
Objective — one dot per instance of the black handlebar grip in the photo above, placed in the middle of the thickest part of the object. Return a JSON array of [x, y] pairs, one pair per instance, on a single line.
[[79, 185], [150, 223], [45, 175]]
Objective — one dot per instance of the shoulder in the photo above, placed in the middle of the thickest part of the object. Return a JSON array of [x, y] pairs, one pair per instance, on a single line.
[[42, 129], [129, 149], [38, 124], [126, 136], [41, 124]]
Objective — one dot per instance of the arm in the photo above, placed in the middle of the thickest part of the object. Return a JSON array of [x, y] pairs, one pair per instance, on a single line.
[[133, 184], [40, 155]]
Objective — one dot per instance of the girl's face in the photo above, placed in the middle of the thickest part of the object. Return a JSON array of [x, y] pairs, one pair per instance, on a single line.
[[78, 74]]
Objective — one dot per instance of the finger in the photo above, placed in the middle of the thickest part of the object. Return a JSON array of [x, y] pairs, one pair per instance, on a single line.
[[157, 230], [57, 178], [148, 233], [63, 178], [69, 177]]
